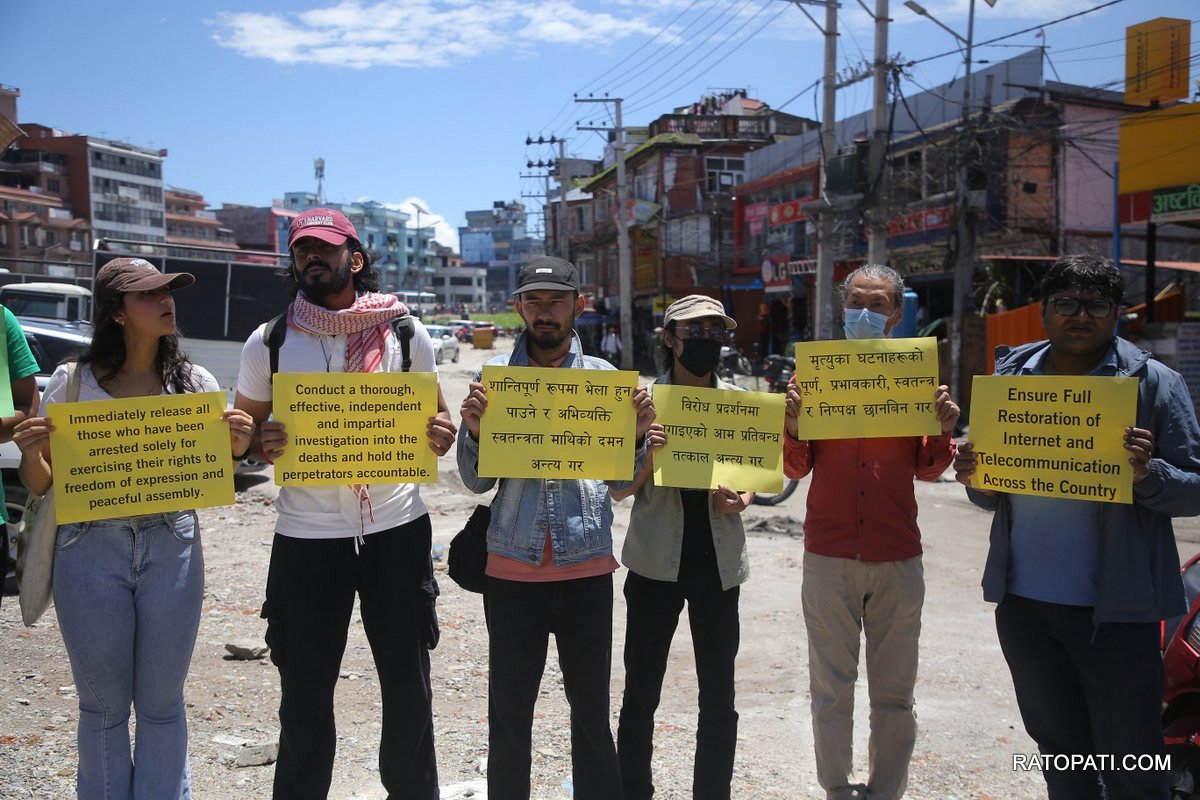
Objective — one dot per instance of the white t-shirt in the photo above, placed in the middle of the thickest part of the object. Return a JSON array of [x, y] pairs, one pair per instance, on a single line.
[[333, 512], [89, 388]]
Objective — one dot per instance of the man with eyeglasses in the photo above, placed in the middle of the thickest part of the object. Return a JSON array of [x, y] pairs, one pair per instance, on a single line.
[[684, 546], [1082, 585]]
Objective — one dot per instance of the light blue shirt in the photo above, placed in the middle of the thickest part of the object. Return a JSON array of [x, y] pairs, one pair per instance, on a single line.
[[1054, 553]]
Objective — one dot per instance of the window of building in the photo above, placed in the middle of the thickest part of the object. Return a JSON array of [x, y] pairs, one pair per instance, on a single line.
[[51, 238], [724, 173], [54, 185]]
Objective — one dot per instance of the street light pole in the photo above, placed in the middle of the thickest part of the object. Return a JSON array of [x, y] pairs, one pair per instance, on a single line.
[[964, 257]]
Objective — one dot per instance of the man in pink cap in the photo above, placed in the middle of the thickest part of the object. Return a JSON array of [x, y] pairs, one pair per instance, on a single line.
[[333, 542]]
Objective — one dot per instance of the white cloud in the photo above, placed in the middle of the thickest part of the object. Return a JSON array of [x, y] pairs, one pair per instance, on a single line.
[[420, 33], [445, 233]]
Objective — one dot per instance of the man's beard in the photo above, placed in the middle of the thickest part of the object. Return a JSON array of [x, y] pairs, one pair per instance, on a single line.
[[319, 288], [549, 340]]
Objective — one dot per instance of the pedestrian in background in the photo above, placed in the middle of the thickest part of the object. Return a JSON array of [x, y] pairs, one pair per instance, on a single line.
[[550, 563], [334, 542], [1081, 585], [684, 546], [863, 574], [611, 346], [128, 590]]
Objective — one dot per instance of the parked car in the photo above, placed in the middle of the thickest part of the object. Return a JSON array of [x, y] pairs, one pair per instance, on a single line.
[[445, 343], [462, 328]]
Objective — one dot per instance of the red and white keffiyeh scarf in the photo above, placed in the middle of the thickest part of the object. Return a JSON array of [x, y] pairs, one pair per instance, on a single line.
[[367, 325]]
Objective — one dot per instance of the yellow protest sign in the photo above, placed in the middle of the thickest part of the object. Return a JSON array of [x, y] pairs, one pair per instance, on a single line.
[[1053, 436], [143, 455], [867, 388], [558, 423], [347, 428], [719, 437]]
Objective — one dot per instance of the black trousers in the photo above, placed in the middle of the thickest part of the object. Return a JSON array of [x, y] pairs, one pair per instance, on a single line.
[[1086, 690], [521, 616], [310, 597], [653, 614]]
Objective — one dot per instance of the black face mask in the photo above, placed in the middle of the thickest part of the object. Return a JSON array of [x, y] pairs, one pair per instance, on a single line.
[[700, 356]]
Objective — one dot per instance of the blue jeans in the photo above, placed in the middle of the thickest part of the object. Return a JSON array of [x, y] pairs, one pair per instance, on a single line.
[[128, 595]]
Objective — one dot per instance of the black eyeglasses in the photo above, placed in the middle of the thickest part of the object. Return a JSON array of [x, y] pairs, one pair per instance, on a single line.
[[716, 332], [1069, 307]]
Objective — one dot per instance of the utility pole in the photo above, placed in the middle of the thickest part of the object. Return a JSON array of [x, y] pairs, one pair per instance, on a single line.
[[877, 155], [624, 256], [564, 246], [823, 307], [964, 261]]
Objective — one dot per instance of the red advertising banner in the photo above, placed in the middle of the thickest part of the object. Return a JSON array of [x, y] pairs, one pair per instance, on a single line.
[[923, 220], [787, 212]]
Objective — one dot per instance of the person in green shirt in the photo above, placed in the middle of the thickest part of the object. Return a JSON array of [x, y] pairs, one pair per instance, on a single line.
[[22, 367]]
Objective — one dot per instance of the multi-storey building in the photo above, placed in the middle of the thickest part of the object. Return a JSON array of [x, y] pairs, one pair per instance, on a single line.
[[190, 225], [264, 229], [116, 185], [496, 238]]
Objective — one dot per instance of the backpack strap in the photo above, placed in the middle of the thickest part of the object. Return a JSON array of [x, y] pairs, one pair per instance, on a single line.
[[73, 378], [273, 336], [276, 331]]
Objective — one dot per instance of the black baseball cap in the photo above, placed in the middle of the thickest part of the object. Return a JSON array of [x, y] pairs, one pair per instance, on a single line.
[[548, 273]]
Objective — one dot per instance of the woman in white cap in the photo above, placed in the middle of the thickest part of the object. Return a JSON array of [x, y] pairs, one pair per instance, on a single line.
[[128, 590], [683, 546]]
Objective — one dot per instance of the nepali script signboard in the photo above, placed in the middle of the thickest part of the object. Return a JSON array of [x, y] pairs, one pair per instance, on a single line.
[[349, 428], [558, 423], [1053, 436], [867, 388], [719, 437], [143, 455]]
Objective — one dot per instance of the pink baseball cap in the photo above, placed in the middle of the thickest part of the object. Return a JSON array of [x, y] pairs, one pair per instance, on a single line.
[[322, 223]]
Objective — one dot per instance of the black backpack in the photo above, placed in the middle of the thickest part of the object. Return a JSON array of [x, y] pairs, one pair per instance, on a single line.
[[275, 333]]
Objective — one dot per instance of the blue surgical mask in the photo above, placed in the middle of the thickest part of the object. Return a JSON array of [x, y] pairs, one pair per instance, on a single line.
[[862, 323]]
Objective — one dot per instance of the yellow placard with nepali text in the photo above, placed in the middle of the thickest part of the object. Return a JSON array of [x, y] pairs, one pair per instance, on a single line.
[[719, 437], [142, 455], [348, 428], [1053, 436], [867, 388], [558, 423]]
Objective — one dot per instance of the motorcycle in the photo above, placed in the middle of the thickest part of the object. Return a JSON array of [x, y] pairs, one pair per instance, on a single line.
[[777, 372], [733, 364], [1181, 689]]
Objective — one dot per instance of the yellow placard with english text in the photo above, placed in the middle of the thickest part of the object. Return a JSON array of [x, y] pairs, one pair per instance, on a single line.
[[142, 455], [867, 388], [1053, 436], [719, 437], [558, 423], [349, 428]]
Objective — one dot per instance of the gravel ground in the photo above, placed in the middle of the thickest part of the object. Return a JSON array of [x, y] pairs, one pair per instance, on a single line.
[[969, 724]]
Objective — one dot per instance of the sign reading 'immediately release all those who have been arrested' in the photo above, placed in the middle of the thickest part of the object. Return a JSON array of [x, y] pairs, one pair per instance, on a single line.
[[558, 423], [349, 428], [719, 437], [145, 455], [1053, 436], [867, 388]]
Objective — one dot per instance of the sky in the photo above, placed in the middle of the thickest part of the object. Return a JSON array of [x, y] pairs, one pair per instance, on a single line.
[[428, 103]]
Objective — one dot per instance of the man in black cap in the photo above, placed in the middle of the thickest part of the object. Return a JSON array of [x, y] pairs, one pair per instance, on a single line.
[[550, 564]]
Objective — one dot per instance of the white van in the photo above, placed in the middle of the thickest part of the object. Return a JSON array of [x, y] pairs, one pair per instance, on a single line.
[[62, 301]]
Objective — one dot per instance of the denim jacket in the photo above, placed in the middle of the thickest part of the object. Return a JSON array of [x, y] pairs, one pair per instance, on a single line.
[[578, 513], [1139, 562]]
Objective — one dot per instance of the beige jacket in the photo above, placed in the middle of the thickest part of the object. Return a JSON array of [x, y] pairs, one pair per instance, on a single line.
[[655, 538]]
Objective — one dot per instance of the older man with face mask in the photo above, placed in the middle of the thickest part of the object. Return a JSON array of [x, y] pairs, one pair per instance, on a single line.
[[862, 565]]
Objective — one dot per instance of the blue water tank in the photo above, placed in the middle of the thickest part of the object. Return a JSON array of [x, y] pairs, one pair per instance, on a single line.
[[908, 323]]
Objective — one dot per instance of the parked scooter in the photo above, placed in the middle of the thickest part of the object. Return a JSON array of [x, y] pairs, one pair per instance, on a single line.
[[1181, 691], [733, 364]]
